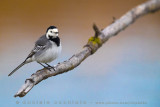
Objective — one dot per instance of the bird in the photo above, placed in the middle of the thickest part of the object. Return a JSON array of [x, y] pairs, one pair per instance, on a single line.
[[47, 48]]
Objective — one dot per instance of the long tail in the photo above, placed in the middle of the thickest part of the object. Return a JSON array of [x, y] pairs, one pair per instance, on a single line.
[[17, 68]]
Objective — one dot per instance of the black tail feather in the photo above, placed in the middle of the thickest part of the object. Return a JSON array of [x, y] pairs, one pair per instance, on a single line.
[[17, 68]]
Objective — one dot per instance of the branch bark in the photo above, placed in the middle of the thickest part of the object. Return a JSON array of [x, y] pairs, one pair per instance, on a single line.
[[93, 44]]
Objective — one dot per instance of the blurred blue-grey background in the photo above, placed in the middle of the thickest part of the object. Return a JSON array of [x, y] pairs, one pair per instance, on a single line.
[[126, 69]]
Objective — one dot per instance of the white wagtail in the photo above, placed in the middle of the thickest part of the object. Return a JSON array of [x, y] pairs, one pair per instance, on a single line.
[[47, 48]]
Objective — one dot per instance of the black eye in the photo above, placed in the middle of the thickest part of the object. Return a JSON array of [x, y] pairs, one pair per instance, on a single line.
[[51, 31]]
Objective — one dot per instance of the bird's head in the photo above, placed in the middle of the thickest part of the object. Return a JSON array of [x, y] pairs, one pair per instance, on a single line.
[[52, 32]]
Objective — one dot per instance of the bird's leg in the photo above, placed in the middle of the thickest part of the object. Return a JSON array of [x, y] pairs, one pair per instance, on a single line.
[[44, 66], [50, 66]]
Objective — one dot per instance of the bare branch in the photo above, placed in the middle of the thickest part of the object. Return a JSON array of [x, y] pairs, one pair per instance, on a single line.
[[93, 44]]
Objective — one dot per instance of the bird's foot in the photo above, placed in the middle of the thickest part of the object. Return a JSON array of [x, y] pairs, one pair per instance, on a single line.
[[50, 67]]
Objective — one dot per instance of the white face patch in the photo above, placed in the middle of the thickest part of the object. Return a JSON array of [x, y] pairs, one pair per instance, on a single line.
[[52, 32]]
